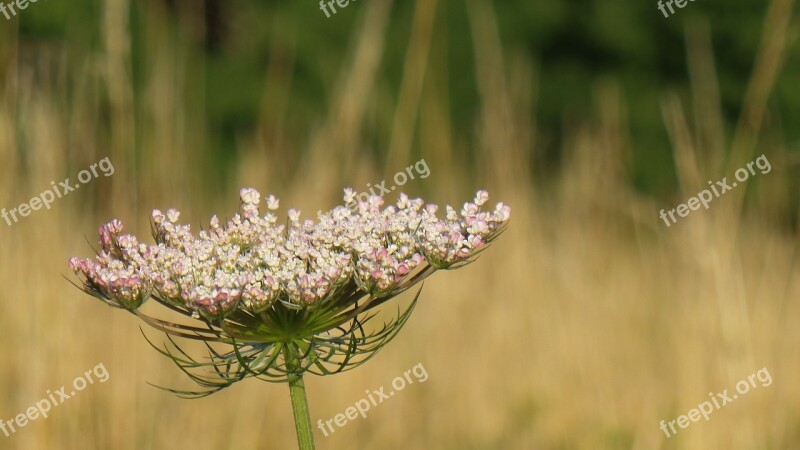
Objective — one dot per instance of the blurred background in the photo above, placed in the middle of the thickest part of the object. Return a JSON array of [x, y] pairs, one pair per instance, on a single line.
[[584, 326]]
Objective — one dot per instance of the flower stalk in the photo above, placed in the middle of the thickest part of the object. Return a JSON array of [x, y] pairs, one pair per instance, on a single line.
[[297, 392]]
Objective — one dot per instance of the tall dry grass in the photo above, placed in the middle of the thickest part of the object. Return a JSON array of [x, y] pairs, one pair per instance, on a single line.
[[586, 324]]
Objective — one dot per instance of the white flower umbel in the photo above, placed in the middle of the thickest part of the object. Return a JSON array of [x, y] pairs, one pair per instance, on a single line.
[[289, 297]]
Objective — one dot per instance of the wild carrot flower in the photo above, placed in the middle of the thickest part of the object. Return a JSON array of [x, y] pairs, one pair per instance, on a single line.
[[286, 298]]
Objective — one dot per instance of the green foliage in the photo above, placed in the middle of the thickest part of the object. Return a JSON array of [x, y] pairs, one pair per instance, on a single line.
[[573, 45]]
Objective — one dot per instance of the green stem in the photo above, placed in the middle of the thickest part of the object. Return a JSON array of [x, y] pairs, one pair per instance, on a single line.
[[297, 391]]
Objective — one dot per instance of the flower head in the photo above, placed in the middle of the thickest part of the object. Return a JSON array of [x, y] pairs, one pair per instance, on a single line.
[[254, 281]]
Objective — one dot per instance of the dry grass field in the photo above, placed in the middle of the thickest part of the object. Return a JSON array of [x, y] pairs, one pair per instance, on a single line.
[[587, 323]]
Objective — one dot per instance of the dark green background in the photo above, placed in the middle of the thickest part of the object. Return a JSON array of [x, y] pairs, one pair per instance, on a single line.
[[574, 44]]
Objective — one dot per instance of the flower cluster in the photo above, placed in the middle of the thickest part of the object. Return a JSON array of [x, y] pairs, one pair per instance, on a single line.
[[253, 261]]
